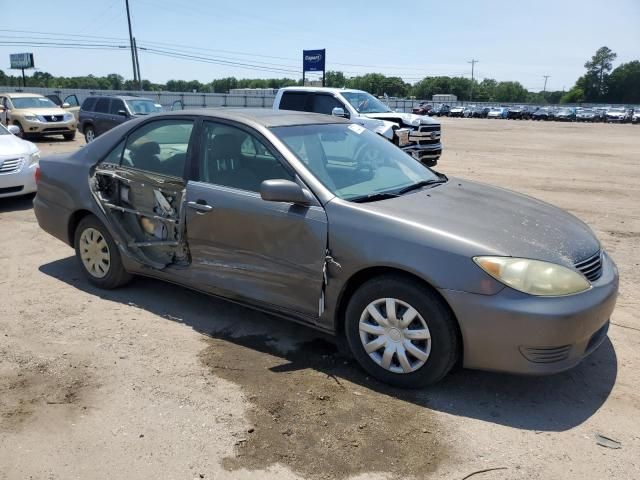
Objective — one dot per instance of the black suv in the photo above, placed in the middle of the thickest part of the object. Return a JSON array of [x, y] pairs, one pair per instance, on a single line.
[[99, 114]]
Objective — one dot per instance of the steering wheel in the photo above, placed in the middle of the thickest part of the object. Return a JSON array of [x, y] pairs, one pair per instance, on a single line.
[[368, 159]]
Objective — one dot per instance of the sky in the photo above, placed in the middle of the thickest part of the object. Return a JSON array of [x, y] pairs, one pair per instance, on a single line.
[[512, 39]]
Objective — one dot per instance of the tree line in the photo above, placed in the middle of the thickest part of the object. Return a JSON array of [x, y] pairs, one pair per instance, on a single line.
[[600, 83]]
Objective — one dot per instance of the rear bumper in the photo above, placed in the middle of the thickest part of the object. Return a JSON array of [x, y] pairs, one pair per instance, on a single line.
[[21, 182], [517, 333]]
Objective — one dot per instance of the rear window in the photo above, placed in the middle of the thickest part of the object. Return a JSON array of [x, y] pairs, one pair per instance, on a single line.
[[294, 101], [89, 104], [102, 105]]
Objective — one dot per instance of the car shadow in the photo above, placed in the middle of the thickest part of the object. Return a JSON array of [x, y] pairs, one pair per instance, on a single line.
[[549, 403], [15, 204]]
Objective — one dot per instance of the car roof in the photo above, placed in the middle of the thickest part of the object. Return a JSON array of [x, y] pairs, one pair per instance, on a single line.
[[20, 94], [121, 97], [321, 89], [263, 116]]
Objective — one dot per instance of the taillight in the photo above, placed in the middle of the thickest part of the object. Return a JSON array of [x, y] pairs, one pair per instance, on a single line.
[[38, 175]]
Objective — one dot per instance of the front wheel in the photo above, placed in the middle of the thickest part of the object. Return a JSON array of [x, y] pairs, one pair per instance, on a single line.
[[89, 134], [402, 333], [98, 254]]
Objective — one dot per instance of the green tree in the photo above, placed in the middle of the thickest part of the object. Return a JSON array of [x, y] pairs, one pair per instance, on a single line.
[[594, 82], [335, 79], [624, 83]]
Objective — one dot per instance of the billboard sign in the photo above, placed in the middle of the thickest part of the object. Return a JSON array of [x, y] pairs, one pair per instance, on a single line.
[[313, 60], [21, 60]]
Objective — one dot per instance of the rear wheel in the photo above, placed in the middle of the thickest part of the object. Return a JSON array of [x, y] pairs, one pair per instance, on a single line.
[[401, 332], [89, 134], [98, 254]]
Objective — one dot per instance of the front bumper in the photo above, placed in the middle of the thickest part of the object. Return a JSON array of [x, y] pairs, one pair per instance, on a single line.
[[518, 333], [20, 182], [48, 128]]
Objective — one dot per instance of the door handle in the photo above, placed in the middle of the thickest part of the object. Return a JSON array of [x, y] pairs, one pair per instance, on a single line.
[[200, 206]]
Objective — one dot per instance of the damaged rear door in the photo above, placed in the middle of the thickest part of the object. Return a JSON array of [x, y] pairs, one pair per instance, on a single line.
[[241, 246], [140, 187]]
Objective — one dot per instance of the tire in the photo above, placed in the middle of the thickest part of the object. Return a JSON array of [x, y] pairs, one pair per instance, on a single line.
[[89, 133], [90, 230], [442, 348], [69, 136]]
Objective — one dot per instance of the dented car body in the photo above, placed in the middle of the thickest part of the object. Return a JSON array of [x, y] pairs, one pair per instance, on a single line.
[[323, 222]]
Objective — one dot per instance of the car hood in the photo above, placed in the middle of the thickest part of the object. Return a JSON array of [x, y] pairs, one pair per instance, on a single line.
[[615, 114], [10, 145], [42, 111], [488, 220], [409, 119]]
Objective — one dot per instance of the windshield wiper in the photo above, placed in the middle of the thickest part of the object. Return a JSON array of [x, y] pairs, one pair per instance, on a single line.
[[374, 197], [423, 183]]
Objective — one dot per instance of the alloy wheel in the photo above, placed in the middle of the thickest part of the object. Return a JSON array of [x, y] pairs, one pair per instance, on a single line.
[[394, 335], [94, 253]]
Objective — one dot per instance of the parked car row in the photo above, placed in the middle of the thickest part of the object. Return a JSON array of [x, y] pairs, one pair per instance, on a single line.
[[534, 112]]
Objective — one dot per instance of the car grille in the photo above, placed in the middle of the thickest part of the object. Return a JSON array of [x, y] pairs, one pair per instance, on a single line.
[[591, 267], [11, 165], [546, 354], [53, 118]]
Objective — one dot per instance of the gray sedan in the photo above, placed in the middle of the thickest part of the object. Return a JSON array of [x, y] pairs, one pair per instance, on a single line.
[[323, 222]]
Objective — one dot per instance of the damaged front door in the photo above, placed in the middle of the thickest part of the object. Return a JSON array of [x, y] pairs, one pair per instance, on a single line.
[[140, 187], [241, 246]]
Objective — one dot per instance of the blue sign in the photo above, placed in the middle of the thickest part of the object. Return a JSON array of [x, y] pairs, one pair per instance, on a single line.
[[313, 60]]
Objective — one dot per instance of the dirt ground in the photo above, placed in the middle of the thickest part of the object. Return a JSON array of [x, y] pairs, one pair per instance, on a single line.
[[154, 381]]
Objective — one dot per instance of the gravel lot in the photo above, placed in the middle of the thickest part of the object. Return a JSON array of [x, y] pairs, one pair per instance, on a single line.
[[154, 381]]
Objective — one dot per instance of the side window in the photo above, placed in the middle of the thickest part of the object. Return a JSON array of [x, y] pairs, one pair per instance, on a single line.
[[72, 100], [159, 147], [294, 101], [326, 103], [231, 157], [102, 105], [115, 155], [116, 106], [89, 104]]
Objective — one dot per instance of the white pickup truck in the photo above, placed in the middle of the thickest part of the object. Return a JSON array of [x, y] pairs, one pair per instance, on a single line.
[[418, 135]]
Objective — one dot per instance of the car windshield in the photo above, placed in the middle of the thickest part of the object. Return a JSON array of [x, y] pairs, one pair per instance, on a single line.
[[3, 130], [617, 110], [32, 102], [353, 162], [587, 110], [143, 107], [364, 102]]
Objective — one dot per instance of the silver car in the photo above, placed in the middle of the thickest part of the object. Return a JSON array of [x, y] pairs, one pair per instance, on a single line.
[[321, 221], [18, 163]]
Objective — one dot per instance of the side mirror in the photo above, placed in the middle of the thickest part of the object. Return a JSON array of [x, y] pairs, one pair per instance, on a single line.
[[283, 191], [14, 129], [123, 113], [65, 105], [338, 112]]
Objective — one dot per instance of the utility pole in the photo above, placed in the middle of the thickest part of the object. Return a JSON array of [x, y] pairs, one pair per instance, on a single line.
[[544, 90], [473, 62], [135, 49], [133, 52]]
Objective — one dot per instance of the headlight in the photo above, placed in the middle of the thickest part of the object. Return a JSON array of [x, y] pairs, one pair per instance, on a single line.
[[67, 116], [534, 276], [34, 158], [31, 118]]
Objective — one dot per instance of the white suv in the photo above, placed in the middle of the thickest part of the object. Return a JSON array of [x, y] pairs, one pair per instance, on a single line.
[[418, 135]]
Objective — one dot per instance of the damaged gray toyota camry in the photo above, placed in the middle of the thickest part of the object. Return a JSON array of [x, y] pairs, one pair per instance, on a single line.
[[323, 222]]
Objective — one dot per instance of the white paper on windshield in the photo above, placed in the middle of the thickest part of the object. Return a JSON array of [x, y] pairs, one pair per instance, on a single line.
[[356, 128]]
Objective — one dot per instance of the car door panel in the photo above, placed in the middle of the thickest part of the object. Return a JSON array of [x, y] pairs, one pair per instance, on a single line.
[[245, 247]]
